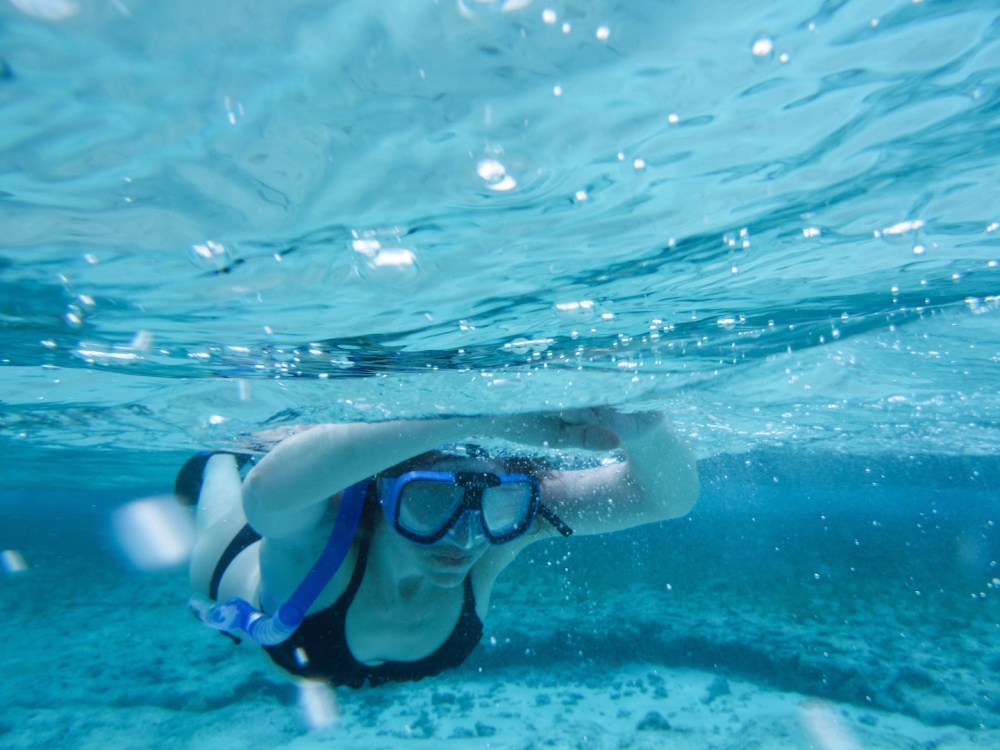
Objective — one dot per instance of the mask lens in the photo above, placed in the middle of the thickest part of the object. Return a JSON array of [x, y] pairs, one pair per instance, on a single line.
[[507, 507], [427, 506]]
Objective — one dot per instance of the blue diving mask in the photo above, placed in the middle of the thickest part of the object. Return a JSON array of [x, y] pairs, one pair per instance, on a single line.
[[425, 506]]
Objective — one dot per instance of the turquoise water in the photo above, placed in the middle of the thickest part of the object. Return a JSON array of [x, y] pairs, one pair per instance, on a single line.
[[779, 222]]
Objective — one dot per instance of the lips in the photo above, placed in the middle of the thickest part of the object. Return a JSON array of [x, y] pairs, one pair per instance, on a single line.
[[453, 561]]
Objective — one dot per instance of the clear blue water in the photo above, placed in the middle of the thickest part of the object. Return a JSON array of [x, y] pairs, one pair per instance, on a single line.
[[780, 222]]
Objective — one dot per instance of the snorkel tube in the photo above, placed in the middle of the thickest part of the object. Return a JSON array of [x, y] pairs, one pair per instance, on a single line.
[[238, 614]]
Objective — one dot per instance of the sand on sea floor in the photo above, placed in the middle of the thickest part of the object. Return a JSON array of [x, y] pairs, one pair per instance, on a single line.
[[637, 706], [94, 655]]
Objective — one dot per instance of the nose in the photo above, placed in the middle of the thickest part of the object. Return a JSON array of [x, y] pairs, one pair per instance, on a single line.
[[467, 532]]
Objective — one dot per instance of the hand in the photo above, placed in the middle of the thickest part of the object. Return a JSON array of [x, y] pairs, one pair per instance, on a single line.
[[594, 429], [624, 425]]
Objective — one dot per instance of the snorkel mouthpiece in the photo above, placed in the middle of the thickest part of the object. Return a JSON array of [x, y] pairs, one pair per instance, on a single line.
[[239, 615]]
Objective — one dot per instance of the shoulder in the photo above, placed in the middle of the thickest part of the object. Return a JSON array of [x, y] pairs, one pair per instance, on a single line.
[[285, 561]]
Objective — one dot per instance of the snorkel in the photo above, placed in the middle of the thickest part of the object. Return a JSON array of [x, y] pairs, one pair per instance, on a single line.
[[239, 615]]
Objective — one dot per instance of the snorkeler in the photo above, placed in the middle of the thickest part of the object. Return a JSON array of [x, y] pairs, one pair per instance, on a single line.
[[366, 553]]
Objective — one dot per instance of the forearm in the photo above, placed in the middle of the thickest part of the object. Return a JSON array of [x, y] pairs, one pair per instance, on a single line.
[[657, 481], [305, 469], [663, 470]]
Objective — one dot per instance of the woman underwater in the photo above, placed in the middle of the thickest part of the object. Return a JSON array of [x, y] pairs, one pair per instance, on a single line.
[[366, 553]]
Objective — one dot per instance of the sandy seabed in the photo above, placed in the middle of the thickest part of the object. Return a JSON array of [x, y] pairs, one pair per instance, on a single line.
[[125, 666], [692, 640]]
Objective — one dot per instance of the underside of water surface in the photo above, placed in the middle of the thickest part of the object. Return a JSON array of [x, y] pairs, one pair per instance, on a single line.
[[777, 222]]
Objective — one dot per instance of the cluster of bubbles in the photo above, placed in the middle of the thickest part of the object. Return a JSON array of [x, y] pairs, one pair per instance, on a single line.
[[909, 232], [77, 310], [382, 257]]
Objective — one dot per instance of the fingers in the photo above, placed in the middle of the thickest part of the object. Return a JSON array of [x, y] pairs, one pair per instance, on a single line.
[[598, 438], [592, 429], [580, 416], [588, 435]]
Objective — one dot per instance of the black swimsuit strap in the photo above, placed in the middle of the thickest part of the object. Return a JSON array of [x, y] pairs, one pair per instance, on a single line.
[[360, 563], [243, 539]]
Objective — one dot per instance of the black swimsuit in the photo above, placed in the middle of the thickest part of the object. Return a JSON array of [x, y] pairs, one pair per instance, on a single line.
[[322, 640]]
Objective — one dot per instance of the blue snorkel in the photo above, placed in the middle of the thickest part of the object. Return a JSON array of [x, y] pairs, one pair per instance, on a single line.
[[238, 614]]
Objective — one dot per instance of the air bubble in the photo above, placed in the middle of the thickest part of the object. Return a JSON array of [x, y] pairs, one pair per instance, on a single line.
[[317, 701], [762, 47], [521, 345], [907, 234], [384, 260], [73, 316], [494, 175], [904, 226], [737, 240], [474, 9], [582, 310], [211, 256], [12, 562], [154, 533], [142, 341], [48, 10]]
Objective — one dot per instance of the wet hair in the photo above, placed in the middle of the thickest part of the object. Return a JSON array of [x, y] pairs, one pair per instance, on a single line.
[[506, 463]]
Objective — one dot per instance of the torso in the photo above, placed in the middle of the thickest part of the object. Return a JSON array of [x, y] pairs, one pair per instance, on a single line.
[[374, 627], [356, 640], [401, 631], [376, 630]]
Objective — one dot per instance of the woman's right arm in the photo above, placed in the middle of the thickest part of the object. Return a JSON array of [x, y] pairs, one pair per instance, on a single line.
[[289, 489]]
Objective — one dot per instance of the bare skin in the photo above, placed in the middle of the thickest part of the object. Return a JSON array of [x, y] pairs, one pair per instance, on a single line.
[[411, 594]]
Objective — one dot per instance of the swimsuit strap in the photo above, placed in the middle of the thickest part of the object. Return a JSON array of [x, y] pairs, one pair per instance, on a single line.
[[243, 539], [357, 576]]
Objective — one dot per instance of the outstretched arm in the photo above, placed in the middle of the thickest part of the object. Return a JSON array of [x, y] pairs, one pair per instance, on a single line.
[[290, 489]]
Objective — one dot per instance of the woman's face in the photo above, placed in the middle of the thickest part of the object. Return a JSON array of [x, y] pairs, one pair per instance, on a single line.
[[448, 561]]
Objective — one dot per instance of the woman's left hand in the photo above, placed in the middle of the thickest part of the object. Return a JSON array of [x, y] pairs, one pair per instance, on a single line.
[[596, 429]]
